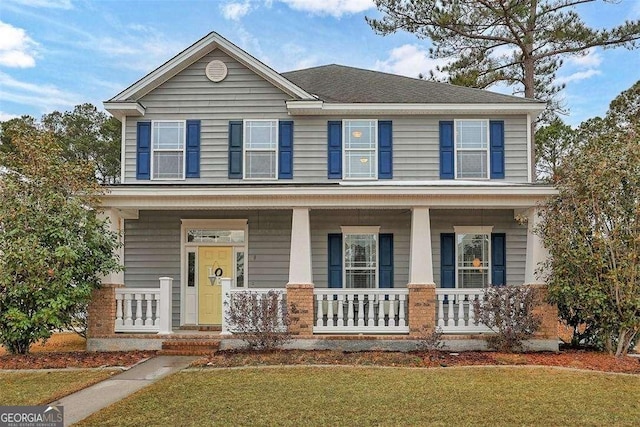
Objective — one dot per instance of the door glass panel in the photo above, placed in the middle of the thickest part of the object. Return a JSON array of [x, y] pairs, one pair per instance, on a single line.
[[240, 269], [191, 269]]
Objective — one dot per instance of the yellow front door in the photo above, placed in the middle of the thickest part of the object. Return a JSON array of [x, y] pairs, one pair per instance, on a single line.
[[217, 261]]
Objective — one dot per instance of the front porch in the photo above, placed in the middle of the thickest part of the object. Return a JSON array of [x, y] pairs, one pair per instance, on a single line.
[[348, 319], [352, 263]]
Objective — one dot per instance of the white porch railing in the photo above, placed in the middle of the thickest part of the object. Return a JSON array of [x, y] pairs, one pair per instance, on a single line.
[[228, 294], [144, 309], [455, 311], [361, 310]]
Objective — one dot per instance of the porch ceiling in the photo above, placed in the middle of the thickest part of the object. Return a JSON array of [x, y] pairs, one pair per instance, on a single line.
[[325, 197]]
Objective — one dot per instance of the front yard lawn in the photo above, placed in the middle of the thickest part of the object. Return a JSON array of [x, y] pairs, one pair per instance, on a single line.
[[39, 388], [380, 396]]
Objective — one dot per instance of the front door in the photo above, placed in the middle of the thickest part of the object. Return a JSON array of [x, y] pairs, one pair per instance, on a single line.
[[212, 261]]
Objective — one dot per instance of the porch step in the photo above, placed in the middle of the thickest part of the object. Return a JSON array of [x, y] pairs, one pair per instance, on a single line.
[[190, 347], [204, 328]]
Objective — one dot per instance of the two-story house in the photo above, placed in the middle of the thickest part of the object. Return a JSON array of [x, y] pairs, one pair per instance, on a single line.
[[382, 204]]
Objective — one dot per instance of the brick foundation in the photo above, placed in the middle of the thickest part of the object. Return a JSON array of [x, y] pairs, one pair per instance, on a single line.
[[548, 313], [101, 312], [301, 309], [422, 308]]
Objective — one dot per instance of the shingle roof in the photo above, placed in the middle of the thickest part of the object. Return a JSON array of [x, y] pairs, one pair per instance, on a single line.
[[340, 84]]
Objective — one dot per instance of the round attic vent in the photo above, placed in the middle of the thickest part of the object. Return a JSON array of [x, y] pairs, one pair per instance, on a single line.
[[216, 71]]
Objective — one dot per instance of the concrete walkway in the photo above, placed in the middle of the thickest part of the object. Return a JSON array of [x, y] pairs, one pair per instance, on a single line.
[[80, 405]]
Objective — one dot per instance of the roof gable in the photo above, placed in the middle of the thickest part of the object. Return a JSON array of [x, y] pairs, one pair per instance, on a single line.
[[196, 51]]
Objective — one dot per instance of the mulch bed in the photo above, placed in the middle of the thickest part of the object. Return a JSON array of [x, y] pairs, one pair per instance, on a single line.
[[589, 360], [74, 359], [571, 359]]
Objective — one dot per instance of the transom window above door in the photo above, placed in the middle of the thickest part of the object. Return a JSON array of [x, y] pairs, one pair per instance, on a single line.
[[260, 149], [168, 145]]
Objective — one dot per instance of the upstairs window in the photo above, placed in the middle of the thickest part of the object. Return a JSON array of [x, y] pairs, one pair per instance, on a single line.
[[168, 144], [360, 149], [260, 149], [472, 148]]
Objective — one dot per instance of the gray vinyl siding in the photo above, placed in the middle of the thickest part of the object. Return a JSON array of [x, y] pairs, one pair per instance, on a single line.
[[325, 222], [245, 95], [152, 243], [416, 147], [190, 95], [443, 221], [152, 248]]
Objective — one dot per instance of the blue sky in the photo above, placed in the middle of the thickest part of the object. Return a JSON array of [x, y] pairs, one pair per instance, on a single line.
[[55, 54]]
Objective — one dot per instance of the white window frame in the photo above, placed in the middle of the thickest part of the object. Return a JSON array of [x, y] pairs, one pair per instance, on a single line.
[[456, 149], [245, 150], [184, 150], [360, 230], [344, 149], [485, 230]]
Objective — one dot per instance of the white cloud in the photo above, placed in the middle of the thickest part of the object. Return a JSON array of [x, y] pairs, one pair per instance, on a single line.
[[17, 50], [504, 51], [335, 8], [235, 11], [409, 60], [590, 59], [577, 76], [51, 4], [42, 97], [7, 116], [295, 57], [581, 67], [127, 47]]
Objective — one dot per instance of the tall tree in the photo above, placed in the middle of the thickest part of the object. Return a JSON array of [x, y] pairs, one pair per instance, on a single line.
[[90, 135], [517, 42], [54, 246], [553, 143], [84, 134], [592, 228]]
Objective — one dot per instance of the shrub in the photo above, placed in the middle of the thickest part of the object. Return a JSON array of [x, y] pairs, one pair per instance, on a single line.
[[55, 247], [430, 340], [261, 320], [508, 311]]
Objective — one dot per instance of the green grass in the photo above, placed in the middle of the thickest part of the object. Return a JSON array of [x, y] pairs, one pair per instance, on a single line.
[[39, 388], [373, 396]]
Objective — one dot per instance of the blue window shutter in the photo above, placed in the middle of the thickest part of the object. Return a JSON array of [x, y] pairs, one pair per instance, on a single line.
[[335, 261], [386, 261], [447, 260], [334, 150], [496, 148], [193, 149], [285, 149], [446, 150], [498, 259], [143, 151], [235, 149], [385, 150]]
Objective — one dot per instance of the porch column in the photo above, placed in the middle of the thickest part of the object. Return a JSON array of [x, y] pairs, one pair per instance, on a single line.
[[101, 310], [421, 257], [536, 252], [300, 259], [116, 225]]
